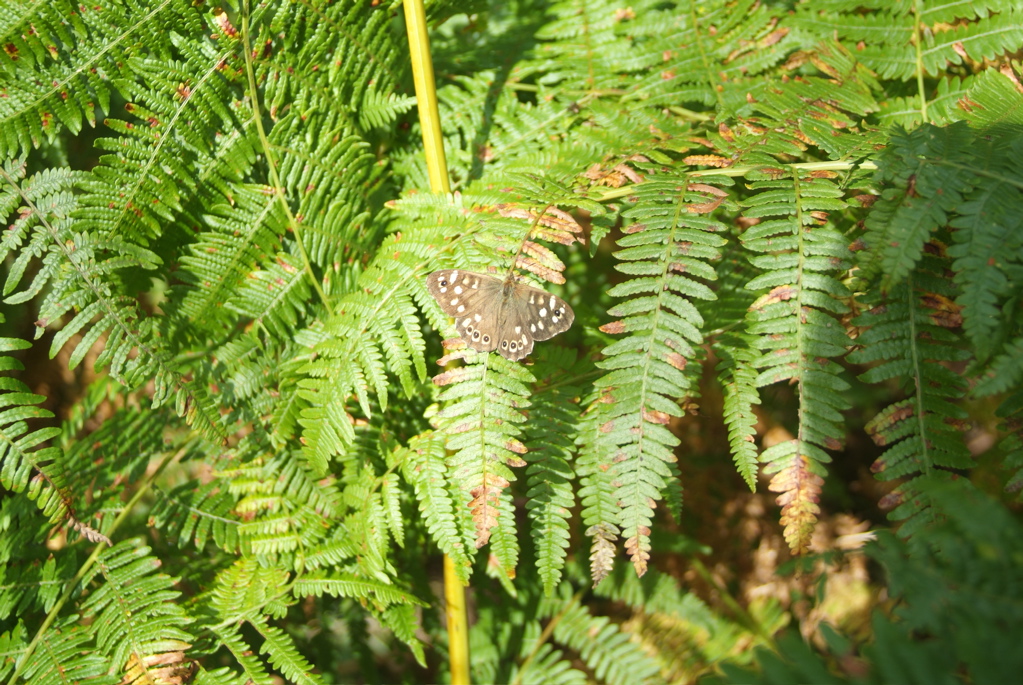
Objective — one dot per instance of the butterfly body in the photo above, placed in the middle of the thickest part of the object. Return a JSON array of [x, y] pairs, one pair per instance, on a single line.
[[502, 315]]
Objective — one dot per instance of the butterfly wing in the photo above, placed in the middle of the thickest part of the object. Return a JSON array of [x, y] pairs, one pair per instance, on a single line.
[[529, 314], [474, 302], [490, 315], [546, 315]]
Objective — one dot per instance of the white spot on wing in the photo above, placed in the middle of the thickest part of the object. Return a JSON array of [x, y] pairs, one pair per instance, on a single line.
[[543, 311], [532, 327], [477, 317], [518, 329], [551, 305], [458, 290], [461, 308]]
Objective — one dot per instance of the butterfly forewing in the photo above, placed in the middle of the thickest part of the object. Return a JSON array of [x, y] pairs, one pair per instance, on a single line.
[[491, 314], [471, 299]]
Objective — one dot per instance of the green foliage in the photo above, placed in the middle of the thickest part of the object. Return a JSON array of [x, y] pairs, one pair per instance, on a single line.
[[668, 243], [956, 588], [796, 328], [249, 466]]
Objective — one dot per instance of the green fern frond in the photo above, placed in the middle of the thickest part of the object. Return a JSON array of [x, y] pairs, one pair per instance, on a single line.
[[906, 335], [668, 244], [943, 107], [66, 653], [378, 109], [918, 198], [736, 370], [120, 449], [597, 494], [799, 116], [344, 585], [738, 377], [51, 192], [24, 449], [322, 164], [401, 620], [953, 177], [137, 620], [798, 331], [686, 635], [194, 514], [602, 646], [547, 664], [33, 579], [887, 37], [988, 247], [995, 102], [21, 450], [245, 589], [242, 234], [423, 465], [335, 55], [673, 55], [482, 417], [1005, 371], [378, 321], [280, 651], [61, 59], [150, 174], [222, 676], [82, 274], [284, 509], [549, 474], [582, 42], [252, 668], [1011, 412]]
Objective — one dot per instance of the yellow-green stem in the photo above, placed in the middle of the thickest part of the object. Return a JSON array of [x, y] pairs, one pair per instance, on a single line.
[[437, 169]]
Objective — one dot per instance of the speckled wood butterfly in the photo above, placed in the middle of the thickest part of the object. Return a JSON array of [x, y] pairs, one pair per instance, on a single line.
[[503, 315]]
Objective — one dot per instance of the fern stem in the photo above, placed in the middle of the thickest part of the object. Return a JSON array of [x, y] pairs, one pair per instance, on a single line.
[[437, 169], [88, 564], [801, 413], [739, 171], [914, 353], [548, 630], [275, 179], [918, 46], [709, 61], [525, 238]]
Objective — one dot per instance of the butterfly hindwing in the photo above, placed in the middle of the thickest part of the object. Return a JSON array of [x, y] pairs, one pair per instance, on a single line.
[[546, 315]]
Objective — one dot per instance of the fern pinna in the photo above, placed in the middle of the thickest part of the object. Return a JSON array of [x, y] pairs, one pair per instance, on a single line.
[[669, 242], [258, 425], [797, 329]]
